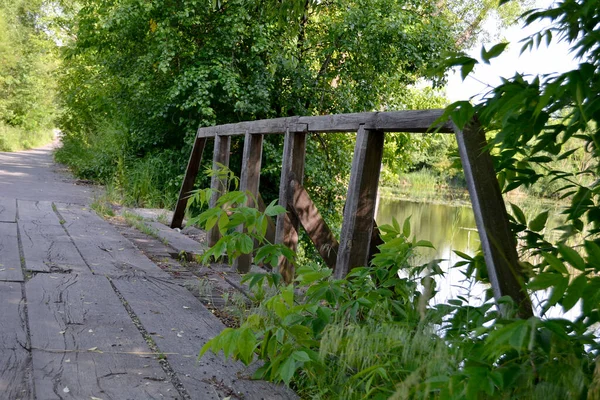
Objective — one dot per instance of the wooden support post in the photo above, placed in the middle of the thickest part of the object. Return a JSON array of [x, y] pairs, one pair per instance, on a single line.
[[314, 224], [249, 179], [218, 184], [294, 151], [188, 181], [359, 212], [497, 242]]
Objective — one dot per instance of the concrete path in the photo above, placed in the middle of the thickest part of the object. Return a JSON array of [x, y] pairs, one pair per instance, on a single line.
[[85, 315]]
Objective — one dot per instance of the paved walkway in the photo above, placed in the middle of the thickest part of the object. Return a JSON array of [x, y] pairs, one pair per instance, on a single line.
[[85, 315]]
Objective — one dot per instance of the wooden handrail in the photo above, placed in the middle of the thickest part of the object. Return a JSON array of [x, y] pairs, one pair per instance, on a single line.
[[358, 225], [417, 121]]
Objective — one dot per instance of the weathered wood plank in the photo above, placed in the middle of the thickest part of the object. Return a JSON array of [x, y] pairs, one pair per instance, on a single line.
[[15, 361], [497, 242], [416, 121], [40, 212], [267, 126], [182, 244], [188, 182], [359, 212], [10, 259], [102, 246], [218, 183], [249, 181], [314, 224], [181, 326], [46, 245], [292, 168], [85, 344], [8, 209]]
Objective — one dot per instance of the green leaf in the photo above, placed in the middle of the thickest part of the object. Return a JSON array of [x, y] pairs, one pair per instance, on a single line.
[[544, 280], [574, 292], [571, 256], [246, 342], [519, 215], [593, 252], [555, 263], [406, 227], [466, 69], [287, 370], [424, 243], [539, 222], [301, 356], [246, 244], [463, 255], [494, 52], [223, 222]]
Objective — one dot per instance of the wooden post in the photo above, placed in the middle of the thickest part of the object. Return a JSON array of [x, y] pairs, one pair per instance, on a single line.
[[249, 179], [497, 242], [359, 212], [219, 185], [188, 181], [286, 232]]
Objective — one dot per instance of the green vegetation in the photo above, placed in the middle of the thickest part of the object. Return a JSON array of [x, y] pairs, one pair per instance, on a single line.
[[138, 78], [374, 333], [27, 66]]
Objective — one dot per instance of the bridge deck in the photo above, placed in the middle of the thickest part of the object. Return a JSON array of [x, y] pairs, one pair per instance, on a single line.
[[86, 315]]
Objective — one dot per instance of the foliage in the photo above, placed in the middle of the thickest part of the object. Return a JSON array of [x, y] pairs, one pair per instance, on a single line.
[[158, 70], [472, 352], [337, 338], [27, 65]]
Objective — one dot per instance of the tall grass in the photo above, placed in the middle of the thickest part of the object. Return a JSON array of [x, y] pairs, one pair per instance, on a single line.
[[105, 156], [15, 138]]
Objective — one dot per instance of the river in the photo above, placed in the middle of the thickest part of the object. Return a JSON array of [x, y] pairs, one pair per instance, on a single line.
[[448, 228], [451, 228]]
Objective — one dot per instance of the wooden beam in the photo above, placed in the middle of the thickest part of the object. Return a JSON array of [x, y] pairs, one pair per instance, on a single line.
[[416, 121], [359, 212], [188, 182], [313, 223], [294, 151], [249, 180], [497, 241], [218, 184]]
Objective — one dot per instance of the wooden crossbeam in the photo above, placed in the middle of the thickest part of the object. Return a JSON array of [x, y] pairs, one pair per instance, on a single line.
[[188, 181], [313, 223]]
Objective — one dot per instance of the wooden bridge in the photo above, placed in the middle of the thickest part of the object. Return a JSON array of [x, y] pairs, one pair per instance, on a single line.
[[359, 233]]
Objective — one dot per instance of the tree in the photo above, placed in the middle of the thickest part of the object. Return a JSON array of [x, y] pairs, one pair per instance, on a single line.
[[27, 64]]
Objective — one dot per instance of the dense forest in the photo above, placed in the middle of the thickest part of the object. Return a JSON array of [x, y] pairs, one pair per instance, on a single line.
[[129, 81]]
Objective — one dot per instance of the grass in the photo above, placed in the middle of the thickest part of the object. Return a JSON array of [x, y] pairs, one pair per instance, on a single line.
[[16, 139]]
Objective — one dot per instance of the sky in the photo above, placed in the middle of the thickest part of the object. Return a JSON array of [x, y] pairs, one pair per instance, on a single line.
[[544, 60]]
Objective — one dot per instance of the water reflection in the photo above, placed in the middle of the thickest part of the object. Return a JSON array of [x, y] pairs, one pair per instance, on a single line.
[[447, 228], [453, 228]]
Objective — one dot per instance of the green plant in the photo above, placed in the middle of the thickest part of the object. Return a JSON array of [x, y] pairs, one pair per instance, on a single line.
[[340, 338]]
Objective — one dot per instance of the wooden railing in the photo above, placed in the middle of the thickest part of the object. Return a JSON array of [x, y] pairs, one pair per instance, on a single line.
[[359, 233]]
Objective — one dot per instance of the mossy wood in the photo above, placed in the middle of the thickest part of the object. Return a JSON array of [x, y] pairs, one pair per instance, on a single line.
[[358, 236]]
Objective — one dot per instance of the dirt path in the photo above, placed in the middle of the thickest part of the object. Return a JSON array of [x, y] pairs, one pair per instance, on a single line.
[[86, 315]]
